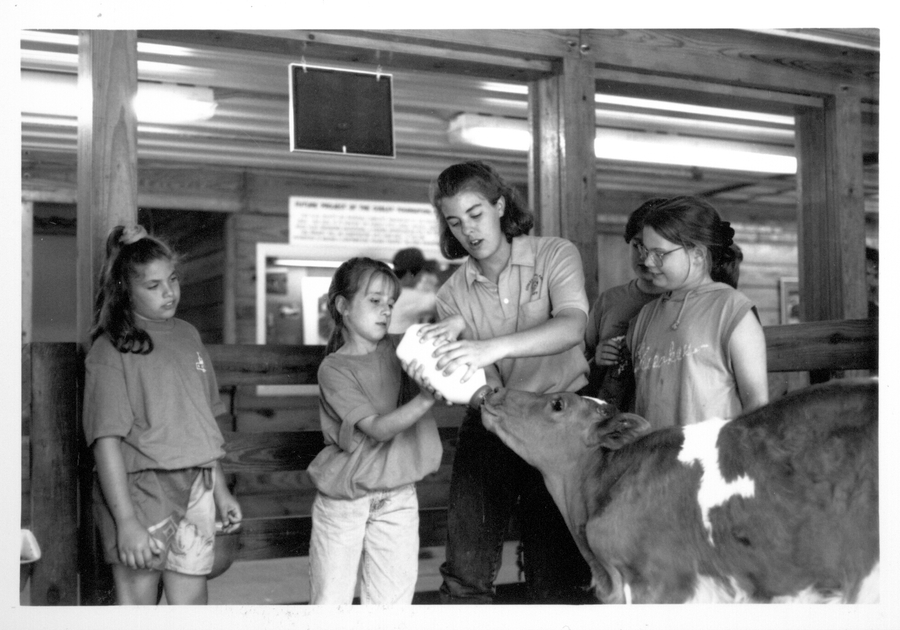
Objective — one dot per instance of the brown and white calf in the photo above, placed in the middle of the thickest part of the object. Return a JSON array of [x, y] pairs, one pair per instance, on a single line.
[[778, 505]]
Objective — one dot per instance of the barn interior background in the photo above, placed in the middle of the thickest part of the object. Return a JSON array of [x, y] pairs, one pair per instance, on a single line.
[[681, 104], [229, 171]]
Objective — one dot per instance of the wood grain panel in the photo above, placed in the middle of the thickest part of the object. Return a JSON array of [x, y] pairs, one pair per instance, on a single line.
[[54, 459], [734, 57], [831, 345], [248, 364]]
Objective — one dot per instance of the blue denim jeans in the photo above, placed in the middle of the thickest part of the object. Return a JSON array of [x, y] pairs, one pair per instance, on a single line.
[[375, 537], [488, 485]]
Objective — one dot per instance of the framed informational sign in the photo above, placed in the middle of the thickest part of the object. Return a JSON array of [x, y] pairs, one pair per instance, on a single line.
[[327, 227]]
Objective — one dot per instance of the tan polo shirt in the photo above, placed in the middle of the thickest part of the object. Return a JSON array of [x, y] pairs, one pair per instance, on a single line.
[[544, 276]]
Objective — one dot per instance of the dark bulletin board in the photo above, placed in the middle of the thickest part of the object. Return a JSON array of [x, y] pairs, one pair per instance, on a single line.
[[341, 111]]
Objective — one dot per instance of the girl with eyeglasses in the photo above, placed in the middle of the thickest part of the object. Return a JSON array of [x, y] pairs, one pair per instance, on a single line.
[[611, 378], [698, 351]]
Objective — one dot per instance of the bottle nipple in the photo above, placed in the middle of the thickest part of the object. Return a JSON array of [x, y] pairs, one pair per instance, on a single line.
[[478, 397]]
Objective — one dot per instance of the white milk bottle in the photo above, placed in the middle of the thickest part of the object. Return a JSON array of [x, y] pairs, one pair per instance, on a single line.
[[450, 387]]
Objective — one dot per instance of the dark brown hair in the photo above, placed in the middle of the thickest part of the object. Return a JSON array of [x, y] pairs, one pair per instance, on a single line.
[[481, 178], [691, 221], [351, 276], [113, 310]]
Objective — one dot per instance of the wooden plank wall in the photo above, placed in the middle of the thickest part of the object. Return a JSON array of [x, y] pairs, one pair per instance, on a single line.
[[50, 401], [199, 239]]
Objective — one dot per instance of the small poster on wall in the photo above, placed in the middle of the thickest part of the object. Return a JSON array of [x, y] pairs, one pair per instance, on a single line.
[[789, 290], [276, 282], [317, 322]]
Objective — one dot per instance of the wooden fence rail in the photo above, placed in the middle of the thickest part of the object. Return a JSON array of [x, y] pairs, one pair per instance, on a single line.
[[56, 466]]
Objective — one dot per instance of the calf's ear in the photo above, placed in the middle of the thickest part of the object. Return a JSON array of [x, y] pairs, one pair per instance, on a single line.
[[621, 429]]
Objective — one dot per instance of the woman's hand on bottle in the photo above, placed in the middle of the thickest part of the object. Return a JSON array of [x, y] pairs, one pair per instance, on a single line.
[[444, 331], [468, 354]]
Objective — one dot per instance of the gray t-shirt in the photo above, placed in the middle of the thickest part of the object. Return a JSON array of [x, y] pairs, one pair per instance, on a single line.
[[353, 387], [162, 404]]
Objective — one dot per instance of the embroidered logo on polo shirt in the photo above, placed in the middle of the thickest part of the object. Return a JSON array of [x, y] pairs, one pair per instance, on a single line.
[[534, 285], [201, 367]]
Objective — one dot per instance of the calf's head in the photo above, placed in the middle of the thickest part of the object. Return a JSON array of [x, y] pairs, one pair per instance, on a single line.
[[552, 431]]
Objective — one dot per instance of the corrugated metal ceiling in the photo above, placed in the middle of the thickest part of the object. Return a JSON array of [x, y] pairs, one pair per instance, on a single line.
[[250, 126]]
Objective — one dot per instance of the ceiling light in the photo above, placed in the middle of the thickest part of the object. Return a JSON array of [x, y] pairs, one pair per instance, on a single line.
[[669, 106], [169, 103], [655, 148], [295, 262], [512, 134], [56, 94], [491, 132]]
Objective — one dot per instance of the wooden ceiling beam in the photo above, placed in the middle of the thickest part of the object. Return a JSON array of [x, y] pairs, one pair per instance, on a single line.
[[533, 44], [729, 65], [737, 58], [369, 47]]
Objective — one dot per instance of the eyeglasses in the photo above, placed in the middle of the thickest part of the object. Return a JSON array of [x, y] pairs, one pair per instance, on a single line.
[[656, 256]]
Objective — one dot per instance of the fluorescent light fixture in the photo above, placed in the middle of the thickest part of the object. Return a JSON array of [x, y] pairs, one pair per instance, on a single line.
[[170, 103], [491, 132], [669, 106], [643, 103], [512, 134], [633, 146], [295, 262], [56, 94]]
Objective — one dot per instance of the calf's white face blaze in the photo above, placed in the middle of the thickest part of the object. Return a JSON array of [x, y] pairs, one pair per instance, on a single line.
[[700, 447]]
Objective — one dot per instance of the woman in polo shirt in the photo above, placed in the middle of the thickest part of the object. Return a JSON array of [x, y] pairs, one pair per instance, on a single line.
[[517, 308]]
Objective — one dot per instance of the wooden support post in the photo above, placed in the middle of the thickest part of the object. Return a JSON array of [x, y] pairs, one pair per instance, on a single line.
[[561, 165], [831, 221], [27, 268], [107, 196], [831, 224], [107, 153], [229, 314], [53, 404]]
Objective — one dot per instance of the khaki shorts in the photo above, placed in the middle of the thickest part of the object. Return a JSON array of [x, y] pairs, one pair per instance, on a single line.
[[177, 508]]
